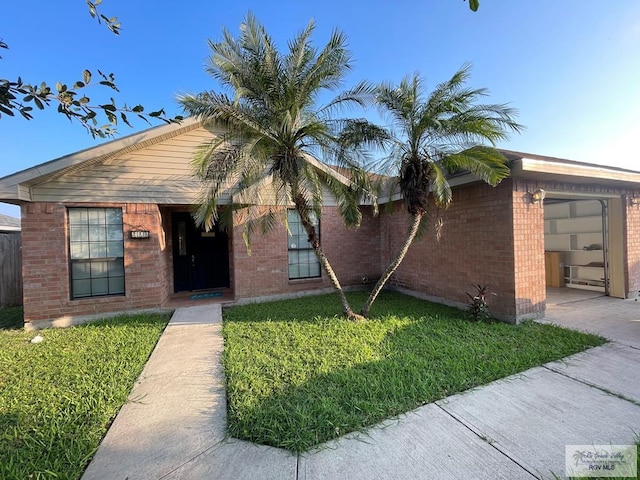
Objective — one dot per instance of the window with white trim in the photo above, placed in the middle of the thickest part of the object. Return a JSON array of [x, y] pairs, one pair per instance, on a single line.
[[303, 262], [96, 252]]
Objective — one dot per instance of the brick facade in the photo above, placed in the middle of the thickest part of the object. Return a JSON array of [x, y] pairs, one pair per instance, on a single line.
[[354, 255], [495, 237], [490, 236], [528, 253], [475, 247], [45, 265], [632, 249]]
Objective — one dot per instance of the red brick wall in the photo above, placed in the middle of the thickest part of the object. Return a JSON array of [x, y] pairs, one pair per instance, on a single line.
[[491, 236], [528, 248], [353, 254], [46, 263], [476, 247], [632, 248]]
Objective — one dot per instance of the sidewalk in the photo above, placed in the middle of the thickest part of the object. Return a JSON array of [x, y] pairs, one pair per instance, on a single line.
[[516, 428]]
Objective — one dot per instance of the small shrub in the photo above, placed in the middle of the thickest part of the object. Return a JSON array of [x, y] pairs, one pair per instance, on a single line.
[[479, 308]]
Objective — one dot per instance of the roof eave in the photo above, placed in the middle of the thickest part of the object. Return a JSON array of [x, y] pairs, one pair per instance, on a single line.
[[559, 171]]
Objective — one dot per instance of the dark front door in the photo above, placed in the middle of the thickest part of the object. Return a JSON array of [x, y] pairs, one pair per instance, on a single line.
[[200, 259]]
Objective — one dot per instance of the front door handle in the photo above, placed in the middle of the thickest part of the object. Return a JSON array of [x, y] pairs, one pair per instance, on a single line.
[[193, 260]]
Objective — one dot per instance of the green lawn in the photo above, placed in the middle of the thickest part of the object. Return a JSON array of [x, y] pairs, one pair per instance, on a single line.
[[58, 397], [298, 375]]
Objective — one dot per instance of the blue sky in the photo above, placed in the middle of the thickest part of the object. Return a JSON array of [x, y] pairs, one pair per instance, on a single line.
[[571, 68]]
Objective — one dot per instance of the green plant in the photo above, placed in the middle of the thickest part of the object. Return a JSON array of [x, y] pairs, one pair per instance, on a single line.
[[479, 308], [59, 396], [429, 136], [297, 375], [274, 127]]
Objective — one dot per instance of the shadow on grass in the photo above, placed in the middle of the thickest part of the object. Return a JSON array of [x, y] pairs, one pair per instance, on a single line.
[[422, 361], [11, 318]]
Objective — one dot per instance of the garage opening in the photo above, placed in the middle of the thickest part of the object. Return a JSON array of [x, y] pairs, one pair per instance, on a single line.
[[583, 248]]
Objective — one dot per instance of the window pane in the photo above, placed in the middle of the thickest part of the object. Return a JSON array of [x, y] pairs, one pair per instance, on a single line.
[[114, 249], [116, 285], [182, 239], [96, 216], [114, 216], [116, 268], [99, 286], [114, 232], [98, 250], [303, 241], [79, 250], [81, 270], [79, 234], [314, 270], [98, 269], [77, 216], [304, 270], [81, 288], [293, 257], [305, 256], [97, 233], [294, 271]]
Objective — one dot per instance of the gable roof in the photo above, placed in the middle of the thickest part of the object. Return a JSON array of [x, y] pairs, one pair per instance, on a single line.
[[153, 166], [16, 187]]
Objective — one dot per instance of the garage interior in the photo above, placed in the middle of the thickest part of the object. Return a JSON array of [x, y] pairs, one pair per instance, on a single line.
[[583, 248]]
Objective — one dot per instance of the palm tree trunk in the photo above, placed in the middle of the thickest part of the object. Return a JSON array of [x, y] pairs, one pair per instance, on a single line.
[[303, 211], [393, 266]]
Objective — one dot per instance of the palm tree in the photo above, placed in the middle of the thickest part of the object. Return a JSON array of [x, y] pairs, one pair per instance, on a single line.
[[275, 131], [429, 138]]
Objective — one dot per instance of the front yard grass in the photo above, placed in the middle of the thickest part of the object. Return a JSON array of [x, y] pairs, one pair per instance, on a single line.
[[297, 375], [58, 397]]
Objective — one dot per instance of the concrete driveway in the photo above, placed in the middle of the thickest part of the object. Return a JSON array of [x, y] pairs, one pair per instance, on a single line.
[[612, 318]]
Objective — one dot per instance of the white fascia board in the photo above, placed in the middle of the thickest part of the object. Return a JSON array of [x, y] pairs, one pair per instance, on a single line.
[[597, 172]]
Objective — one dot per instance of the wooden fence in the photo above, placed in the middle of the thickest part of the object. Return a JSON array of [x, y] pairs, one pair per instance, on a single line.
[[10, 269]]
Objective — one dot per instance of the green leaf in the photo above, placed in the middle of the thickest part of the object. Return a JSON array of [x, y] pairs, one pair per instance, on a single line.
[[78, 85], [108, 107], [25, 112], [124, 119], [6, 110], [84, 100], [138, 109], [112, 118], [86, 76], [474, 4], [38, 103]]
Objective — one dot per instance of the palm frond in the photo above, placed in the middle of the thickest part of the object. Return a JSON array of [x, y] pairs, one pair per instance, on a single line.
[[484, 162], [440, 187]]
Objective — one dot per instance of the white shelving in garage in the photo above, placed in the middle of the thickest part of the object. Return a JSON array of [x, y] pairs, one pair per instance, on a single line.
[[575, 229]]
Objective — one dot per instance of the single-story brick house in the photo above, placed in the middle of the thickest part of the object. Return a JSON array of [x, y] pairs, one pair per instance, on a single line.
[[108, 230]]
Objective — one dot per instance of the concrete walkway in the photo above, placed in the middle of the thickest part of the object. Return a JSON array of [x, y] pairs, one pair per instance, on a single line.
[[515, 428]]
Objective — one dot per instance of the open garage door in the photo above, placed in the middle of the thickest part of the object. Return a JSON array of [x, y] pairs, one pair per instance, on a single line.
[[583, 244]]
